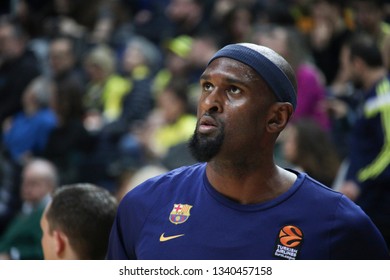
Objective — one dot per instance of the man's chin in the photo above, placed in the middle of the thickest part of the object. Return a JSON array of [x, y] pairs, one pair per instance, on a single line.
[[205, 147]]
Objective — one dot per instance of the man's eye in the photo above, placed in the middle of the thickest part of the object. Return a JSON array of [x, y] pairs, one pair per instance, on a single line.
[[207, 87], [234, 90]]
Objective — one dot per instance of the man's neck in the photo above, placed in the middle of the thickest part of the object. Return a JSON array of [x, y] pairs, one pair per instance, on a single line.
[[69, 254], [249, 186]]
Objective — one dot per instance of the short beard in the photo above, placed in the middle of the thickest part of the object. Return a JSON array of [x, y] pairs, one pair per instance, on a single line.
[[204, 148]]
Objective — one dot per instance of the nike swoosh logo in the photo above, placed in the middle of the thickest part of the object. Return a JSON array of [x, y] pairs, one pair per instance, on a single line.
[[166, 238]]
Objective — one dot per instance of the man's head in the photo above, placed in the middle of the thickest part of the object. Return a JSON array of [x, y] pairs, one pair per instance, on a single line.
[[39, 179], [185, 11], [61, 55], [368, 15], [360, 55], [37, 95], [248, 96], [100, 63], [13, 39], [77, 223]]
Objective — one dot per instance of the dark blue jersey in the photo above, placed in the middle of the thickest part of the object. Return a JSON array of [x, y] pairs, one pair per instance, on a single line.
[[369, 155], [369, 144], [180, 216]]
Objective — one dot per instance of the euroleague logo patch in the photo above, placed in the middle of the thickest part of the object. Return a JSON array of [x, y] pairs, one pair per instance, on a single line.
[[288, 243]]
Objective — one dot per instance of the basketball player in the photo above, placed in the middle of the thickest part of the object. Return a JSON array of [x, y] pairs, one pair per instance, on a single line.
[[238, 204]]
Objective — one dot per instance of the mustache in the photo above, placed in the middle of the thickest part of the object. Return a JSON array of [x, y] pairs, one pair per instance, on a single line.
[[209, 118]]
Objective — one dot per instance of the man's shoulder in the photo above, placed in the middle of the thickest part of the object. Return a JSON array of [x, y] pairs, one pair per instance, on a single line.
[[342, 208], [170, 181], [309, 185], [183, 181], [314, 193]]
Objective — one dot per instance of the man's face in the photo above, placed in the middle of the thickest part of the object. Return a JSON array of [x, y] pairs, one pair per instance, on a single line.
[[170, 105], [367, 15], [350, 70], [60, 56], [10, 46], [231, 111], [35, 186]]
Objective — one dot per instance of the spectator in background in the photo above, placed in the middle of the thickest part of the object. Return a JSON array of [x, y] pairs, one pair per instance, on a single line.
[[106, 88], [237, 24], [77, 222], [202, 49], [31, 15], [68, 143], [26, 133], [369, 17], [72, 18], [141, 61], [18, 67], [368, 176], [144, 18], [188, 17], [342, 104], [22, 238], [104, 105], [63, 63], [161, 141], [176, 54], [170, 124], [219, 11], [330, 30], [278, 13], [177, 119], [311, 83], [9, 193], [307, 147]]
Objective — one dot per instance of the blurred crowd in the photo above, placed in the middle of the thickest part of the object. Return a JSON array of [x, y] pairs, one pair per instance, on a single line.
[[105, 91]]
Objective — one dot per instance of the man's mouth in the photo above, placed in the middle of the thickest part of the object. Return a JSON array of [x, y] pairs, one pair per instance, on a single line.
[[207, 125]]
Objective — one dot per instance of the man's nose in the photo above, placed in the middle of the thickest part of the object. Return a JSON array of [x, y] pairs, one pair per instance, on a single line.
[[212, 103]]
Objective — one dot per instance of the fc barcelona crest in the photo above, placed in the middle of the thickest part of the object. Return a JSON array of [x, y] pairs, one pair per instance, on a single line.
[[180, 213]]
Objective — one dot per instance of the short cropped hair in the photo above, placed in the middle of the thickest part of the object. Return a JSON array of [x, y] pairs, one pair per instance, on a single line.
[[85, 214], [42, 90], [365, 47], [45, 169], [103, 57]]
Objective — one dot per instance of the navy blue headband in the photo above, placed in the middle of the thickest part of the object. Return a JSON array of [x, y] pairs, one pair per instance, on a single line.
[[270, 72]]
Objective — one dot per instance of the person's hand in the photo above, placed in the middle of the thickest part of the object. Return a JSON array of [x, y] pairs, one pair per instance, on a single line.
[[350, 189]]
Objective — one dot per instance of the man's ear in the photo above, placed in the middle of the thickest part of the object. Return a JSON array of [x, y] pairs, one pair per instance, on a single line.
[[278, 116], [60, 240]]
